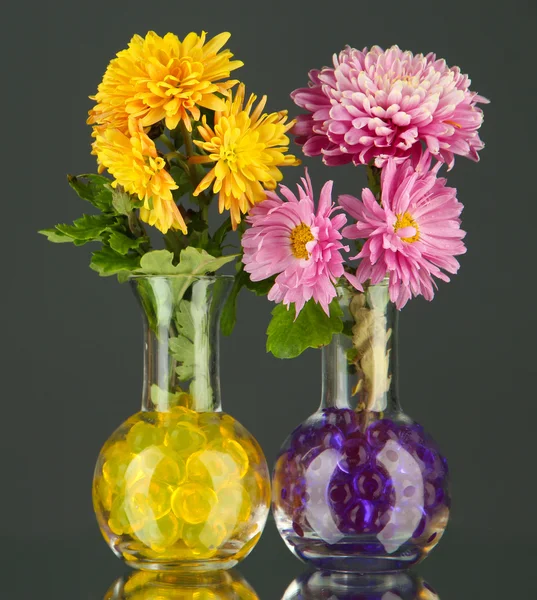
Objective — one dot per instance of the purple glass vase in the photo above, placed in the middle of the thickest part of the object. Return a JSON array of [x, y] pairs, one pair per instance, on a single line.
[[359, 486]]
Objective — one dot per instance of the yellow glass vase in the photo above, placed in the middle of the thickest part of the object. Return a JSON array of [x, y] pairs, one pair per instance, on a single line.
[[181, 485]]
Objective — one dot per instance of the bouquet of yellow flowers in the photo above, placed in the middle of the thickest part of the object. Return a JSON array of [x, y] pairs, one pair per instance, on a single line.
[[173, 131]]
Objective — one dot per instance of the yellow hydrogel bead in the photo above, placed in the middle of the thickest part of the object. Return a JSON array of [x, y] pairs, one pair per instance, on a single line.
[[205, 536], [211, 467], [237, 453], [210, 425], [103, 493], [160, 534], [148, 499], [234, 504], [119, 521], [232, 455], [159, 463], [117, 460], [193, 502], [253, 451], [144, 435], [179, 414], [229, 427], [185, 438]]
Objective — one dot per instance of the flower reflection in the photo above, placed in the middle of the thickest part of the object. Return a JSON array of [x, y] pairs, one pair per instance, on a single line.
[[320, 585], [157, 585]]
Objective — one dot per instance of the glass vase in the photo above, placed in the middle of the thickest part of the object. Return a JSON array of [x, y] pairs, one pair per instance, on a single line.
[[359, 486], [181, 485]]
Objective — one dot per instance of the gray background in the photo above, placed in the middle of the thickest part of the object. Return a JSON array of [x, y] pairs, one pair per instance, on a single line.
[[71, 347]]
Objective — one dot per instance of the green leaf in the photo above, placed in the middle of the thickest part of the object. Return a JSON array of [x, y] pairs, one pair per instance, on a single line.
[[53, 235], [182, 350], [221, 232], [259, 288], [228, 318], [373, 180], [88, 228], [193, 262], [182, 346], [182, 179], [289, 337], [93, 188], [123, 202], [122, 243], [108, 262]]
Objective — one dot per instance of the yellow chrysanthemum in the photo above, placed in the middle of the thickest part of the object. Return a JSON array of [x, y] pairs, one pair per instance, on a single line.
[[247, 147], [159, 78], [133, 161]]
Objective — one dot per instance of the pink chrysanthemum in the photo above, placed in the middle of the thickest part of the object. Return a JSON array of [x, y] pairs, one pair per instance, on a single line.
[[377, 104], [413, 235], [302, 247]]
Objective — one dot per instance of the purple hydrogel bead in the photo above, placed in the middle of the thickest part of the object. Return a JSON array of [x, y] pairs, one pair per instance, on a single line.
[[307, 439], [342, 418], [370, 483], [410, 435], [356, 452], [358, 518], [380, 515], [434, 495], [340, 492], [421, 527], [381, 432], [432, 465]]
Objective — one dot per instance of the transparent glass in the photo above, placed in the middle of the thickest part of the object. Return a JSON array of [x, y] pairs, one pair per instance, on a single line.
[[181, 485], [146, 585], [359, 486], [348, 586]]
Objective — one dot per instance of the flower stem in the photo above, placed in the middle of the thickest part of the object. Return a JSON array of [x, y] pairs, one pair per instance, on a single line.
[[138, 230], [169, 156], [189, 149], [373, 180], [167, 142]]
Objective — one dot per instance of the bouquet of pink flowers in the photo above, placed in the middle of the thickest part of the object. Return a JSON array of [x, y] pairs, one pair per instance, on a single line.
[[402, 116]]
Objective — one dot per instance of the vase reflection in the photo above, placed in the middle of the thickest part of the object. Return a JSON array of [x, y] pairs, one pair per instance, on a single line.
[[153, 585], [320, 585]]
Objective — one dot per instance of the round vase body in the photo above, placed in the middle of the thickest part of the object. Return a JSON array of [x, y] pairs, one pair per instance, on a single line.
[[181, 490], [360, 499], [181, 485], [359, 486]]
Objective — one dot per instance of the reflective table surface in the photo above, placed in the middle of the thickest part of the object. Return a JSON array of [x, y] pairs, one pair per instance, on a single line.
[[460, 568]]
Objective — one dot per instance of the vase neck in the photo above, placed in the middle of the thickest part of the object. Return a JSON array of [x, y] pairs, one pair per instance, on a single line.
[[360, 364], [181, 341]]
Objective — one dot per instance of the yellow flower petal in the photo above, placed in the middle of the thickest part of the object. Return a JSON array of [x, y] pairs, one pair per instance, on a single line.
[[247, 147], [132, 159], [159, 78]]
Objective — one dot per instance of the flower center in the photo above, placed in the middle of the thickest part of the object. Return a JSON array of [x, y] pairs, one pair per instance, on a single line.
[[300, 236], [406, 228], [228, 154]]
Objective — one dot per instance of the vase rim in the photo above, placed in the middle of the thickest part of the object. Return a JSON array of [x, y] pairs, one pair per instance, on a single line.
[[135, 276]]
